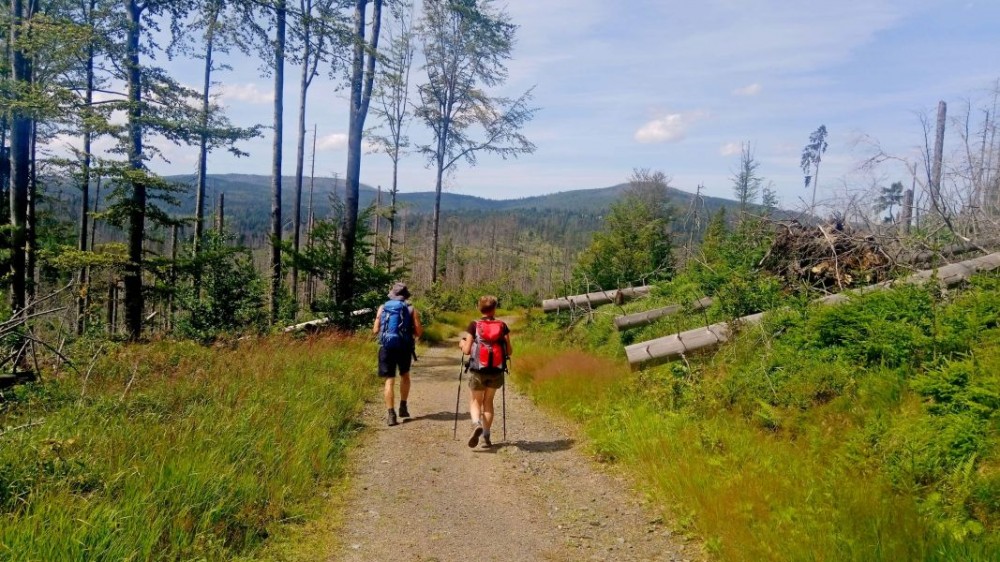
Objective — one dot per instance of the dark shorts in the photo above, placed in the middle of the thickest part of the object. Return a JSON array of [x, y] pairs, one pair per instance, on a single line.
[[391, 359], [479, 380]]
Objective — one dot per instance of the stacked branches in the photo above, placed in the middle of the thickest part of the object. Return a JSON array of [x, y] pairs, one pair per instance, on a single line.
[[827, 257]]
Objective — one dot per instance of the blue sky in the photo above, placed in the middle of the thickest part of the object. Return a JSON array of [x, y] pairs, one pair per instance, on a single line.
[[677, 86]]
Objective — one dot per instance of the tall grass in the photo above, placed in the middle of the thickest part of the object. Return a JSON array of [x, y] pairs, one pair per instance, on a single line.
[[177, 451], [865, 432]]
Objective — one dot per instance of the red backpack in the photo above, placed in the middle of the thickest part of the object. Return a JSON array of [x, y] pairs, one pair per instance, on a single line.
[[488, 347]]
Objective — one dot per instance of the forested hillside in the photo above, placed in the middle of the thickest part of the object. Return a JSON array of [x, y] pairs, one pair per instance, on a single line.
[[530, 243], [187, 336]]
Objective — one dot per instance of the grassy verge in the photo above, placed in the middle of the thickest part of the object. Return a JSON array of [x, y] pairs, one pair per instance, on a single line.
[[442, 325], [869, 431], [177, 451]]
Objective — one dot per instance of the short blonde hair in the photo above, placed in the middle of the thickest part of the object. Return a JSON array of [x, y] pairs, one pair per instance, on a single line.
[[487, 303]]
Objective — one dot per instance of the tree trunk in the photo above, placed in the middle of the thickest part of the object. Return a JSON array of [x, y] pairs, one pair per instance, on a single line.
[[199, 199], [112, 305], [402, 232], [378, 207], [220, 215], [590, 300], [362, 77], [279, 99], [629, 321], [31, 221], [935, 184], [300, 153], [310, 219], [815, 180], [4, 193], [82, 242], [93, 221], [437, 211], [310, 280], [171, 307], [20, 155], [137, 213], [906, 214], [392, 213]]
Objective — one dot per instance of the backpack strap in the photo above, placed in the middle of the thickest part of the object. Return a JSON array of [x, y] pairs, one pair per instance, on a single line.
[[383, 322]]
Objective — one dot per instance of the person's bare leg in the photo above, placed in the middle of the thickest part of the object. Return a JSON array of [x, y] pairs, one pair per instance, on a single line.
[[489, 393], [476, 405], [390, 400], [404, 392], [476, 412], [404, 386]]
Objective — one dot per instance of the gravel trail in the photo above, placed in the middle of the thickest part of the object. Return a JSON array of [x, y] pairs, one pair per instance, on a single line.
[[417, 494]]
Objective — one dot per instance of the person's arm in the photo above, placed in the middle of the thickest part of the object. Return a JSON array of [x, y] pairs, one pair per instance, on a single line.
[[507, 347], [378, 321], [465, 344], [418, 329]]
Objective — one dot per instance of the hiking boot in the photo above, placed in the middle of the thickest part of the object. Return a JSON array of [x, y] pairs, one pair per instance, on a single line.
[[392, 418], [477, 430], [403, 412], [487, 444]]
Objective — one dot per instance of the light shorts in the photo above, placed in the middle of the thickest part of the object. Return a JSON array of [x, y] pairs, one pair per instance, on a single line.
[[484, 380]]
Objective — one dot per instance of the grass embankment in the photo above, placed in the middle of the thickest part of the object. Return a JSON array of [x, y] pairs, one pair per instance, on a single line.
[[869, 431], [178, 452]]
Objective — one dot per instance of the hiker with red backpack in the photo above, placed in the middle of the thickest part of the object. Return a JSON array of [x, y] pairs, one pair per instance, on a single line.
[[487, 342], [397, 326]]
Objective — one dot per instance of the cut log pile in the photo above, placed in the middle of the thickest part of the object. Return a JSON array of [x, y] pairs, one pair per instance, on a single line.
[[672, 347], [831, 257]]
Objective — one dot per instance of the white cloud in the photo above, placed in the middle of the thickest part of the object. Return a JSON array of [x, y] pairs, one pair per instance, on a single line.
[[63, 145], [751, 90], [338, 141], [334, 141], [668, 128], [246, 93], [730, 149]]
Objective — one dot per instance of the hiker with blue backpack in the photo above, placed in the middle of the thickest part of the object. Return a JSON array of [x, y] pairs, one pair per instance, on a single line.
[[487, 343], [397, 326]]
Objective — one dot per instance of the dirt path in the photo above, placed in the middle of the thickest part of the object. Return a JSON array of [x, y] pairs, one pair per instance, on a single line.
[[419, 495]]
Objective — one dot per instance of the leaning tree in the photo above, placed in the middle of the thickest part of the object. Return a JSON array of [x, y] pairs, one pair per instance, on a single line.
[[466, 45]]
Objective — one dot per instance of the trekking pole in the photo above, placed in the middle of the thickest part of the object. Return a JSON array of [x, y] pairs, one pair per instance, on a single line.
[[503, 395], [458, 397]]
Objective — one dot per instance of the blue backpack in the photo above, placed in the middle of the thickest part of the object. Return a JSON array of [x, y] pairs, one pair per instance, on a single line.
[[396, 326]]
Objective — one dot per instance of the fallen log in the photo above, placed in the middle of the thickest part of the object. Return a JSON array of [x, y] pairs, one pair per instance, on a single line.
[[637, 319], [9, 380], [591, 300], [668, 348], [310, 325], [320, 322], [953, 250]]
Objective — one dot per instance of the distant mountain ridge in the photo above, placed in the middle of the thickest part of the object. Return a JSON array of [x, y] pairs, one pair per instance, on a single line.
[[245, 192]]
